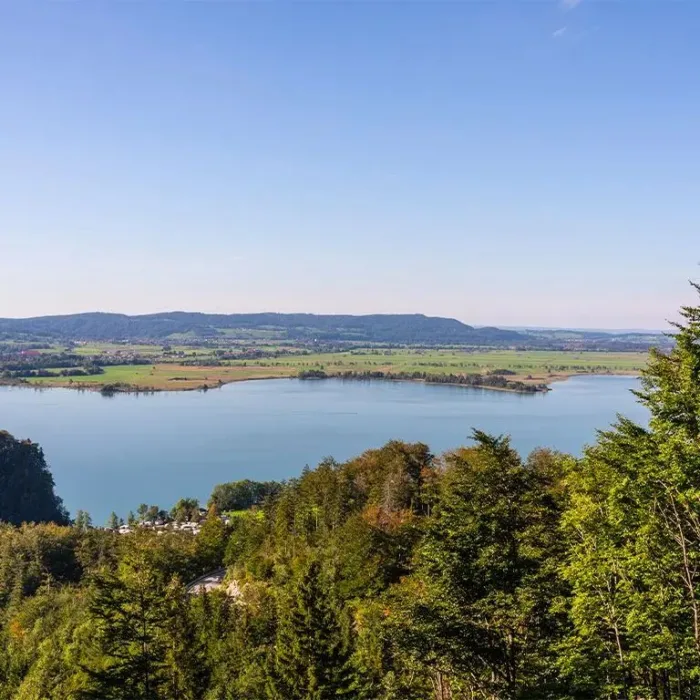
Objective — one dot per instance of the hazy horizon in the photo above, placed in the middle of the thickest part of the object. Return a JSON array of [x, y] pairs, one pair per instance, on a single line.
[[505, 164]]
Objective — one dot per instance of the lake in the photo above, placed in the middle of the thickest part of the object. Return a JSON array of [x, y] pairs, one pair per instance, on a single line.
[[114, 453]]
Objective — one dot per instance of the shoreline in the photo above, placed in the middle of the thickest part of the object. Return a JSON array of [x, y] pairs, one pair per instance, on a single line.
[[131, 389], [423, 381]]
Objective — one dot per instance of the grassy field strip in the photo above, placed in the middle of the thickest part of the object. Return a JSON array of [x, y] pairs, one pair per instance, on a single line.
[[532, 366], [164, 376], [445, 362]]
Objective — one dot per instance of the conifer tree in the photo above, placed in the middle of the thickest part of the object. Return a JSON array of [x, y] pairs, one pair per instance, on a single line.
[[311, 651], [128, 614], [185, 668], [83, 521]]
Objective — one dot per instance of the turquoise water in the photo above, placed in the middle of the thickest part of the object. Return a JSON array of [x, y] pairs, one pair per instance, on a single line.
[[114, 453]]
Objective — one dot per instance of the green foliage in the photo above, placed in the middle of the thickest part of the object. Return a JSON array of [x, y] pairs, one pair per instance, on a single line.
[[127, 655], [634, 528], [41, 642], [248, 533], [185, 510], [477, 611], [311, 659], [239, 637], [26, 485], [33, 556], [211, 541], [241, 495], [83, 521]]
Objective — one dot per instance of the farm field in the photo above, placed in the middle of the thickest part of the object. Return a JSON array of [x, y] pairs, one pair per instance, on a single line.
[[527, 366], [148, 350], [162, 377], [447, 361]]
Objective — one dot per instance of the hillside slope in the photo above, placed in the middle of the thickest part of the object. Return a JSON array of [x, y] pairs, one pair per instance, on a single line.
[[386, 328]]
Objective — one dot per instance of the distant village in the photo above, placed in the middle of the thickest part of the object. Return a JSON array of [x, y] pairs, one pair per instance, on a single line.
[[162, 525]]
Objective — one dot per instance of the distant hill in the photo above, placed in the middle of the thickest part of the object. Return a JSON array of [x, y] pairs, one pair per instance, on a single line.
[[377, 328], [606, 331]]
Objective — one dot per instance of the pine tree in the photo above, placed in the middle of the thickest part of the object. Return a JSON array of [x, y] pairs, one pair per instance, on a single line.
[[83, 521], [128, 613], [239, 636], [311, 652], [185, 668]]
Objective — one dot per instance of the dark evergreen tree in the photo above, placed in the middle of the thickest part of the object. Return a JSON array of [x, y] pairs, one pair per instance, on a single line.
[[26, 485], [127, 658], [186, 671], [311, 659]]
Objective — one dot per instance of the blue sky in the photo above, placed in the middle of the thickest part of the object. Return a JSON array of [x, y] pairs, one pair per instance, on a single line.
[[523, 163]]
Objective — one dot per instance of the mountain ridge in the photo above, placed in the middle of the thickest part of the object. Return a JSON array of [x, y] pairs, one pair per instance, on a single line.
[[392, 329], [400, 328]]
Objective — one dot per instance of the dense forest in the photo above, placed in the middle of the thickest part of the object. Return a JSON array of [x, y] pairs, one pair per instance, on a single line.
[[399, 574]]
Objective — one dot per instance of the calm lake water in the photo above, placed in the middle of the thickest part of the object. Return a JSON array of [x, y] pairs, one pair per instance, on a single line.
[[114, 453]]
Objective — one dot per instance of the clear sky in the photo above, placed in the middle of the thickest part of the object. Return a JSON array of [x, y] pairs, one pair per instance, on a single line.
[[522, 163]]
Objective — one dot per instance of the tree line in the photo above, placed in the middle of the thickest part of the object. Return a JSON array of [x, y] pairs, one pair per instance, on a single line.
[[230, 497], [493, 380]]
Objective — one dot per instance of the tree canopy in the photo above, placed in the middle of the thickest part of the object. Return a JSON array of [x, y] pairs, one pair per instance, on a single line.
[[26, 485]]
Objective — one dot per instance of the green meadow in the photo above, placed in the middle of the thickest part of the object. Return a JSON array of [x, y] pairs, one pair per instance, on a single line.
[[168, 373]]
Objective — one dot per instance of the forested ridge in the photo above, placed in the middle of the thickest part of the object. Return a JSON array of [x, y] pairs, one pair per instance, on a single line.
[[392, 328], [397, 329], [399, 574]]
